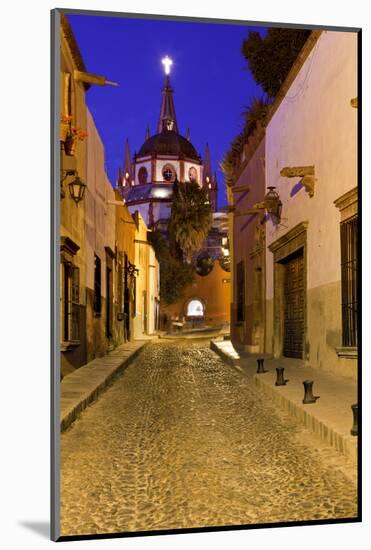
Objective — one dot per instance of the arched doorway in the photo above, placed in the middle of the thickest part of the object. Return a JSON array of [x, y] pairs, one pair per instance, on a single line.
[[195, 309]]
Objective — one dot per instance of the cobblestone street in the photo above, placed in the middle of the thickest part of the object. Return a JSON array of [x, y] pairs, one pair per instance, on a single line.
[[182, 440]]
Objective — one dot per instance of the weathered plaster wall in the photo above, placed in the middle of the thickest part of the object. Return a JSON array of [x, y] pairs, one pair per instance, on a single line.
[[100, 232], [72, 217], [316, 125], [248, 245]]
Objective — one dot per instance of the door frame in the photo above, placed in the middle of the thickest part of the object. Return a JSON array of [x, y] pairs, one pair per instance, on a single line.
[[282, 248]]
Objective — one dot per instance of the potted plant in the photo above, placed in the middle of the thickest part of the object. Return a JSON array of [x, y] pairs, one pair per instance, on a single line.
[[71, 140], [65, 128]]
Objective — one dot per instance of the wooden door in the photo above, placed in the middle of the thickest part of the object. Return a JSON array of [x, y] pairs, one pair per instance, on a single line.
[[293, 343]]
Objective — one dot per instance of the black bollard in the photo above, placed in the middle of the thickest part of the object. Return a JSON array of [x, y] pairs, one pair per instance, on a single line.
[[280, 379], [354, 430], [308, 392], [260, 369]]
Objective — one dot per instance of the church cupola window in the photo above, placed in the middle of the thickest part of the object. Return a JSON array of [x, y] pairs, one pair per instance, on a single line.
[[169, 173], [192, 174], [143, 175], [168, 124]]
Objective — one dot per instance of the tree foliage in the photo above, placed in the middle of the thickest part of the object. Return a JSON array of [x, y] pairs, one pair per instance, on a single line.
[[255, 112], [271, 58], [175, 275], [191, 218]]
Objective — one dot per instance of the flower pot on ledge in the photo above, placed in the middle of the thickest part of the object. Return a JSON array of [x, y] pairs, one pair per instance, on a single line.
[[70, 145]]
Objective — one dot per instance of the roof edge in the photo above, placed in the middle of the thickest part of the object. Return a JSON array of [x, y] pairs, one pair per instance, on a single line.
[[74, 47], [258, 134]]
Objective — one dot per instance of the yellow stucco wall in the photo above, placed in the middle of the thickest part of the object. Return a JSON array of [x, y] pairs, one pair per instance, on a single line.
[[147, 281]]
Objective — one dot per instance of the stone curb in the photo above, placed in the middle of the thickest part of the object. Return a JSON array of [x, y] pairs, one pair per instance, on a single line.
[[228, 358], [346, 445], [82, 387]]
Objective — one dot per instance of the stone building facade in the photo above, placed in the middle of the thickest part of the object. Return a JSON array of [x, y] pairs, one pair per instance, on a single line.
[[72, 296], [308, 303], [97, 233]]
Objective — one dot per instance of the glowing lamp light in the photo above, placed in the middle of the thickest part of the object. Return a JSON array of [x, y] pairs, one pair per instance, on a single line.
[[207, 179], [127, 175], [209, 185], [167, 62], [132, 183]]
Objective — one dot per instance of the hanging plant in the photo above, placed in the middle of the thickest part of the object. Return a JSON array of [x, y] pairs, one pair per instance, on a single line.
[[72, 138], [65, 127]]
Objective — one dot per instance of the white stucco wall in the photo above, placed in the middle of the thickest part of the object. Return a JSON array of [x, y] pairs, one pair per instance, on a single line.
[[316, 125]]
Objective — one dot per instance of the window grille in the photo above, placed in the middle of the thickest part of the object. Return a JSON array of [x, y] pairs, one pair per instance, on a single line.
[[240, 291], [348, 238], [97, 305], [71, 303], [75, 304], [120, 281]]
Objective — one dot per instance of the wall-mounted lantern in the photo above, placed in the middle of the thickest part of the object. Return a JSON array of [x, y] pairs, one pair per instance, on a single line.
[[77, 189], [76, 186], [273, 203], [131, 269]]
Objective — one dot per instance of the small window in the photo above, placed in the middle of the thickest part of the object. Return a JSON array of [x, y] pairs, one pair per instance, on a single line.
[[240, 290], [348, 239], [169, 173], [192, 173], [97, 305], [143, 175], [109, 302], [71, 303]]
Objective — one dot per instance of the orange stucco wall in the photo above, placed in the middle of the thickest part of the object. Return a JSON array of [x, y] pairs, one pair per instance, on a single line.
[[213, 290]]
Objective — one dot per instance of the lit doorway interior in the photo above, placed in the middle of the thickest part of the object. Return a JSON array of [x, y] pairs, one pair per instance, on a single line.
[[195, 308]]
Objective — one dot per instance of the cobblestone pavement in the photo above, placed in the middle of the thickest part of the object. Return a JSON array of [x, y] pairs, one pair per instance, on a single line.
[[182, 440]]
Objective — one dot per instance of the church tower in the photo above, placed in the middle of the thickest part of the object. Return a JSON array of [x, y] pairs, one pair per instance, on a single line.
[[209, 181], [165, 157], [125, 176]]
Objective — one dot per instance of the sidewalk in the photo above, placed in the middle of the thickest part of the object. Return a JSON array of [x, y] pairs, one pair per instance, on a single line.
[[330, 418], [199, 332], [81, 387]]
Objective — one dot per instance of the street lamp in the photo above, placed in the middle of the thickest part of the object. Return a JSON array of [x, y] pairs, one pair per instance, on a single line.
[[77, 189], [273, 204]]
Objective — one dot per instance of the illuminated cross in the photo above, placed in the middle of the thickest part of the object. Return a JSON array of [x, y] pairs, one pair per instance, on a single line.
[[167, 62]]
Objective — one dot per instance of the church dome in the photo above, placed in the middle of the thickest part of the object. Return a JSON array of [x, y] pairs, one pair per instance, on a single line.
[[168, 142]]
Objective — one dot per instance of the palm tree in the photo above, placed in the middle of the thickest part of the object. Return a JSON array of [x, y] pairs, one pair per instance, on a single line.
[[191, 218]]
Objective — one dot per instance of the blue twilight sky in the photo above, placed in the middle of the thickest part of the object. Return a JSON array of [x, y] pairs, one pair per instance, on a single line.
[[211, 82]]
